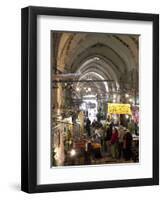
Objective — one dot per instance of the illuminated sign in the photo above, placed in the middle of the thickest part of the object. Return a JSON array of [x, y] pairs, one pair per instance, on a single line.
[[115, 108]]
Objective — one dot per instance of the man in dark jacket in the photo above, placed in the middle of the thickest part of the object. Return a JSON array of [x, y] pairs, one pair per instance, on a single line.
[[88, 126]]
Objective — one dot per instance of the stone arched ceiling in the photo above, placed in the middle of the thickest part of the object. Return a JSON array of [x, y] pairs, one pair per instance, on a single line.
[[112, 56]]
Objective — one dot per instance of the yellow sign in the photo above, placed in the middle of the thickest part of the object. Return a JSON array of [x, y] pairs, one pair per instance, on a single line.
[[115, 108]]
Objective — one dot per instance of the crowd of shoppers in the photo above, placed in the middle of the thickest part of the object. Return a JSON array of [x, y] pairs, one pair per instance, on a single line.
[[115, 140]]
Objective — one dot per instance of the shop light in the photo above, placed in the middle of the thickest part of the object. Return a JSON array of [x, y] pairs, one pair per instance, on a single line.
[[59, 117], [89, 89], [115, 117], [114, 96], [73, 152], [131, 100], [127, 116], [126, 95]]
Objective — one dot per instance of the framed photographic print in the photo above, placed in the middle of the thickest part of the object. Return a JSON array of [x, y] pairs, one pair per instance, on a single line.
[[90, 99]]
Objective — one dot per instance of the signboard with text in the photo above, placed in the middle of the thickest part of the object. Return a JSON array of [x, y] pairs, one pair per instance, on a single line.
[[116, 108]]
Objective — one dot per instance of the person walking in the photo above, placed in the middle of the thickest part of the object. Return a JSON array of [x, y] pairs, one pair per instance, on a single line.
[[108, 136], [88, 127], [114, 143], [127, 146], [121, 133], [87, 153]]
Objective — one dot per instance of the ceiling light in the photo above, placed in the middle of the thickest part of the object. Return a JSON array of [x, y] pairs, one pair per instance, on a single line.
[[96, 58], [77, 89]]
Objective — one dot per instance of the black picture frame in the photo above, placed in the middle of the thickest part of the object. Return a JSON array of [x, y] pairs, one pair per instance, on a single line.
[[29, 98]]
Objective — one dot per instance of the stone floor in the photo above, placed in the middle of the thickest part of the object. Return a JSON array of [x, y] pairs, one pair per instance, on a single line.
[[105, 159]]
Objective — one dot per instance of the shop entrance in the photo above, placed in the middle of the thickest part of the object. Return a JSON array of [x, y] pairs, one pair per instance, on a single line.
[[90, 105]]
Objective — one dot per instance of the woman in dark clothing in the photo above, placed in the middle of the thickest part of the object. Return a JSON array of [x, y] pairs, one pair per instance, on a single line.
[[127, 146], [109, 130], [114, 143]]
